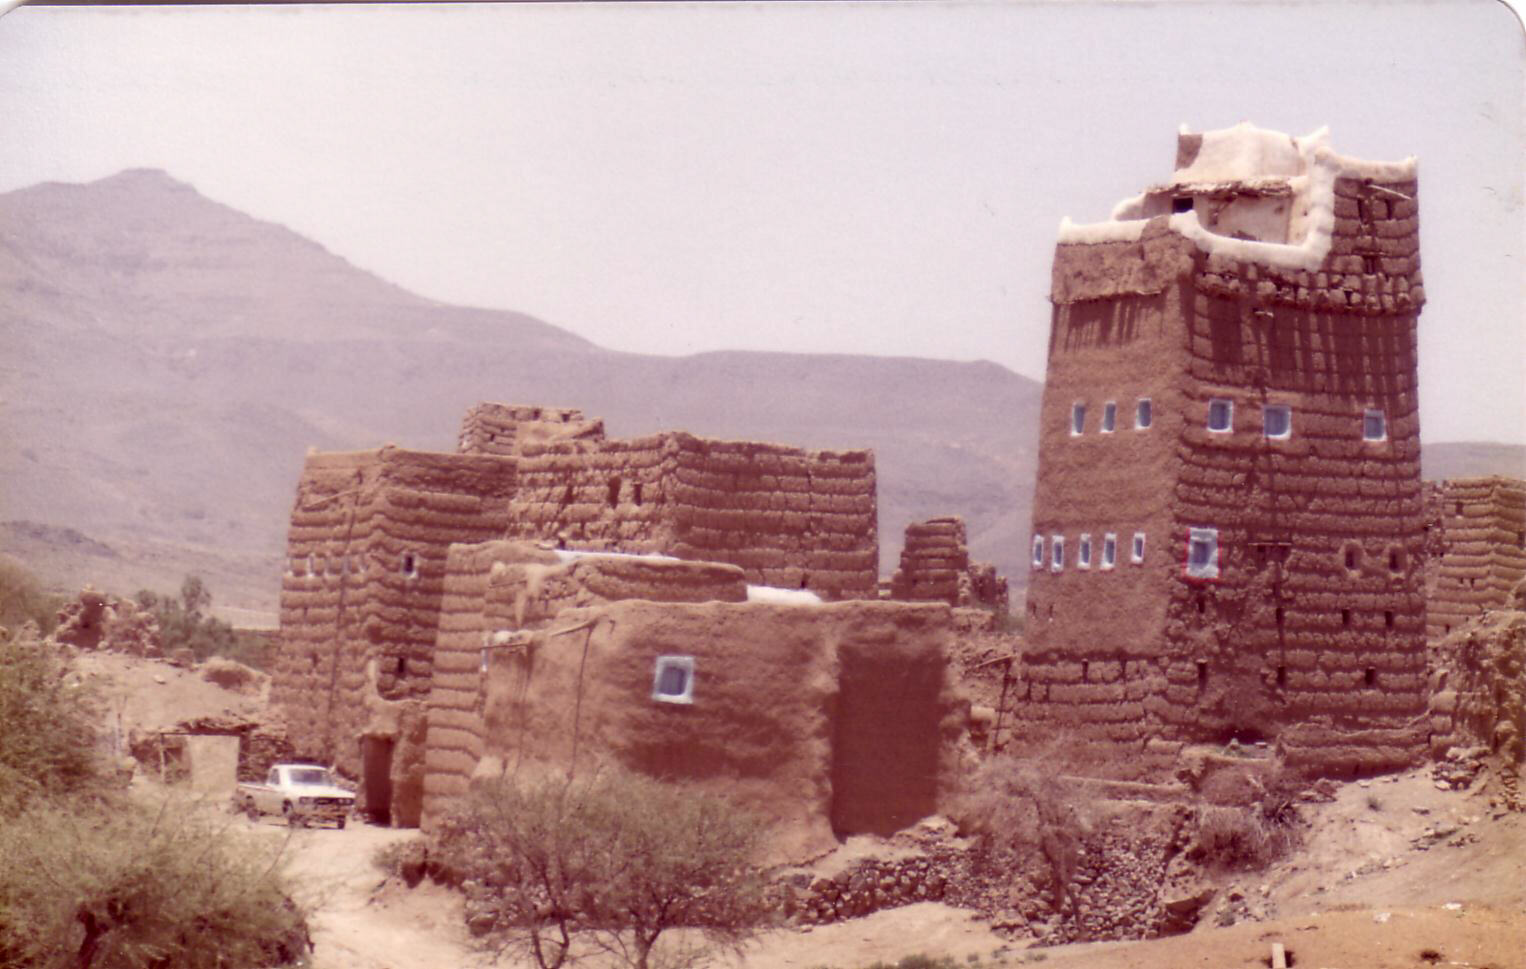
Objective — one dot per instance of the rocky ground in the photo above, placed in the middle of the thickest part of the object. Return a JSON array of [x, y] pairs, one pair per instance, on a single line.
[[1399, 871]]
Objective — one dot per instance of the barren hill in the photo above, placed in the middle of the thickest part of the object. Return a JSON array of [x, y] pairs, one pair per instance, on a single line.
[[170, 359]]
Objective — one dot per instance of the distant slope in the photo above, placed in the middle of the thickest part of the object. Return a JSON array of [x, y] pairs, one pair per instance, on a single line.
[[169, 360], [1470, 459]]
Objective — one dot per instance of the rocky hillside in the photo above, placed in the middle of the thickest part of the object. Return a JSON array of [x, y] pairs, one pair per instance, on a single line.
[[169, 361]]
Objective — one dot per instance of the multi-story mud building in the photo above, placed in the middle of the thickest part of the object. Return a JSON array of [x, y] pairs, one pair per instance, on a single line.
[[1228, 524]]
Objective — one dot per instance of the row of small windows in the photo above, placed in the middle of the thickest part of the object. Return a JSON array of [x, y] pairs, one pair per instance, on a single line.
[[1276, 419], [1084, 551], [408, 565], [1143, 416]]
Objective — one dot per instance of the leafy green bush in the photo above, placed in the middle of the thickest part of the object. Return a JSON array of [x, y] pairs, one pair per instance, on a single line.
[[184, 624], [48, 734], [141, 888], [604, 864]]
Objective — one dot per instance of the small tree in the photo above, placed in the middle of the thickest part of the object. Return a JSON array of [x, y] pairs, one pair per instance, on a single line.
[[606, 864]]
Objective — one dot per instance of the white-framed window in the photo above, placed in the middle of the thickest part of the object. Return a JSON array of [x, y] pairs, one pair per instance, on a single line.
[[312, 563], [673, 679], [1277, 421], [1203, 553], [1136, 553], [1084, 552], [1077, 418], [1057, 552], [1221, 415], [1374, 425], [1109, 417], [410, 565], [1109, 550], [1038, 551], [1144, 414]]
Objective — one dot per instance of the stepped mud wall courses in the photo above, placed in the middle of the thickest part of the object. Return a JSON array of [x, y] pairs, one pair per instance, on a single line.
[[360, 600], [1282, 432], [936, 567], [493, 428], [1476, 533], [789, 518]]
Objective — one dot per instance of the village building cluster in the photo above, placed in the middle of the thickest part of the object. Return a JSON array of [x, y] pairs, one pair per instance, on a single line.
[[1231, 541]]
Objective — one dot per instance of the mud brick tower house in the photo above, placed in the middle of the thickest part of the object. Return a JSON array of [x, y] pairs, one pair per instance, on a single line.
[[1228, 525]]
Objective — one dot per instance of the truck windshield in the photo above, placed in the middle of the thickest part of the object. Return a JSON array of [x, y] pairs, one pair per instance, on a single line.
[[309, 775]]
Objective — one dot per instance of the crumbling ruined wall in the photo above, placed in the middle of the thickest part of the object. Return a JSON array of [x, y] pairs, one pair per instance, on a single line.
[[493, 428], [1476, 532], [360, 600], [1478, 696], [936, 567], [788, 517], [98, 620], [1310, 626]]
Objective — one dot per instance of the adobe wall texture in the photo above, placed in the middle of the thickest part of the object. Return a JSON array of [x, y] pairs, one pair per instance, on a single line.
[[789, 518], [494, 428], [360, 601], [1478, 698], [1312, 631], [1476, 533], [823, 718], [936, 567]]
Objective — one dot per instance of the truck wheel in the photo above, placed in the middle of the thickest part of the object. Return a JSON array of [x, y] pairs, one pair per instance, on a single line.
[[342, 819], [293, 819], [252, 810]]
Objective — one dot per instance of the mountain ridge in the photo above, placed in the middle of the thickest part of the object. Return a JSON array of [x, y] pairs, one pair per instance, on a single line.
[[174, 358]]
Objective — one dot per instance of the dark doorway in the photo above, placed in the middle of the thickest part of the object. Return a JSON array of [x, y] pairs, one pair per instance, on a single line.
[[886, 741], [376, 764]]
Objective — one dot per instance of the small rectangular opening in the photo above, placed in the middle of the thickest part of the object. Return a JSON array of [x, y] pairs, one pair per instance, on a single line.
[[1370, 678], [1077, 419], [1202, 673], [1345, 617], [1143, 414], [1282, 676], [1180, 204], [1221, 415], [1109, 417], [1388, 618]]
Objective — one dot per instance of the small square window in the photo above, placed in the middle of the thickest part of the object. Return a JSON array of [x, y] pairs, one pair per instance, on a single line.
[[1038, 551], [1374, 425], [1057, 552], [673, 680], [1077, 419], [1221, 415], [1136, 555], [1109, 417], [1084, 552], [1203, 553], [1109, 550], [1181, 203], [1277, 421], [1142, 414]]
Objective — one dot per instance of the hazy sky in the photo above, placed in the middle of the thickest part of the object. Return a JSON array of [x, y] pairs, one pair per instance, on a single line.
[[862, 178]]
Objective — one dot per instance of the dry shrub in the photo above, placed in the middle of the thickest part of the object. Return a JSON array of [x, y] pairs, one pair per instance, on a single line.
[[1241, 837], [1026, 816], [560, 868], [48, 729], [140, 888], [232, 675]]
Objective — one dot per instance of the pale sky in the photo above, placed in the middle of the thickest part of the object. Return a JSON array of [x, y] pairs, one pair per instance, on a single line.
[[844, 177]]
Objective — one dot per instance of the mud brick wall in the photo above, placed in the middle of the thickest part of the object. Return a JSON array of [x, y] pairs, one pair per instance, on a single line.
[[1312, 632], [360, 600], [493, 428], [936, 567], [934, 557], [506, 587], [786, 516], [825, 718], [1476, 528]]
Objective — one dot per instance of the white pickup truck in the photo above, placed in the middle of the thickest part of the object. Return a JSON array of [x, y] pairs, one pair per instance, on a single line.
[[300, 792]]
